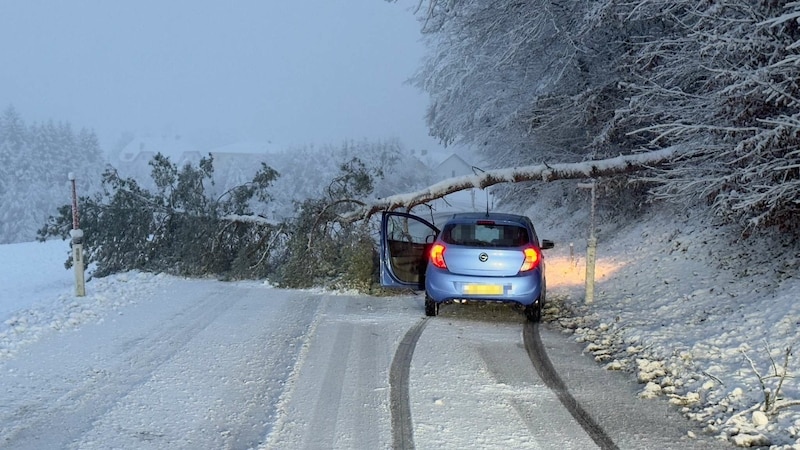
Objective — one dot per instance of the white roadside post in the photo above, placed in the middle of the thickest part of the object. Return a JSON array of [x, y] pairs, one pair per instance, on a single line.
[[77, 243], [591, 244], [572, 263]]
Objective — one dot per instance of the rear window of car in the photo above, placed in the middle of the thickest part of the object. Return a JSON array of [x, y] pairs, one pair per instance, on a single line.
[[485, 235]]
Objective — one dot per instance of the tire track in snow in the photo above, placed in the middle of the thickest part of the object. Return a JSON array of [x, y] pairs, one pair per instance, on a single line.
[[399, 403], [548, 374], [324, 421], [282, 416]]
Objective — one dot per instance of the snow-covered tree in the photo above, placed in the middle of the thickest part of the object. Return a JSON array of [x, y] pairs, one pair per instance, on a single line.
[[177, 227], [307, 171], [526, 82], [34, 163], [486, 71], [13, 134], [718, 79], [561, 81]]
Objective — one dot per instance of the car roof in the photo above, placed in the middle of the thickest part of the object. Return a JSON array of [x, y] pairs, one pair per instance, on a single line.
[[489, 216]]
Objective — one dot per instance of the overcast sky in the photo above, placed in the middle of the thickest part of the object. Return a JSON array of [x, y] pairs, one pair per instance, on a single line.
[[291, 71]]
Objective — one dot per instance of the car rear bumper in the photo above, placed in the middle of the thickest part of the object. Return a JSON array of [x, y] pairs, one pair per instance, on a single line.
[[444, 287]]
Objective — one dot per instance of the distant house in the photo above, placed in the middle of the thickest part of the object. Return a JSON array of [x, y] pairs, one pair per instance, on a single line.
[[141, 150], [451, 165], [234, 164]]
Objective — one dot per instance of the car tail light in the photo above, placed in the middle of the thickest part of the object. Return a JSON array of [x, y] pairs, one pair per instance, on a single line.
[[437, 256], [532, 258]]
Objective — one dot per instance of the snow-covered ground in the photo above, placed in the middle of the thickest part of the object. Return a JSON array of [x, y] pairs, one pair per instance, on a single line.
[[695, 311], [689, 309], [38, 294]]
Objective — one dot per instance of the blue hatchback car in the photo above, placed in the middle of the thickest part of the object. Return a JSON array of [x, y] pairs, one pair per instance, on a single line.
[[486, 257]]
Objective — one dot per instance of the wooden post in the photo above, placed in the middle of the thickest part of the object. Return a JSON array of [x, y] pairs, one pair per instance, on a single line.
[[591, 255], [591, 245]]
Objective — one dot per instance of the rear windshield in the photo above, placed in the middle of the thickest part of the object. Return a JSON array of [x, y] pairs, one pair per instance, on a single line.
[[485, 235]]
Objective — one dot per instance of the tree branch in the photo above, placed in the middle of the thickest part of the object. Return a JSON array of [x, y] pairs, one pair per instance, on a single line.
[[322, 214], [541, 172]]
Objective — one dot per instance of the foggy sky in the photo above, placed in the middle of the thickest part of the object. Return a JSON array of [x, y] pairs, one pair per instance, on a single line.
[[295, 72]]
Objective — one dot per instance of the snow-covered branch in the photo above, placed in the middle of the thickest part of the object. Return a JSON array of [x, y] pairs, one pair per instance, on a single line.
[[251, 219], [540, 172]]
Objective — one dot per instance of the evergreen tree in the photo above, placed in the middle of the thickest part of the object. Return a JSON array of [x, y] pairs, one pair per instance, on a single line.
[[177, 228], [34, 163], [13, 144]]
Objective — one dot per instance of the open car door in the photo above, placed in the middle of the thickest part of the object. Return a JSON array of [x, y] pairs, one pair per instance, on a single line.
[[405, 240]]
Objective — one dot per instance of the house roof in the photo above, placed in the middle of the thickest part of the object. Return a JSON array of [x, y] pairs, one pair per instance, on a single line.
[[176, 148], [454, 159], [436, 158], [248, 147], [172, 147]]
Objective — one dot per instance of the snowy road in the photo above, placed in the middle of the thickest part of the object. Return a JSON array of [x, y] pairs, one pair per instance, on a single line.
[[201, 366], [211, 365]]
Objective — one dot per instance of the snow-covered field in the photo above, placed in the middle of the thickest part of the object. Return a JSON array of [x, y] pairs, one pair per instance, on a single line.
[[38, 294], [694, 313]]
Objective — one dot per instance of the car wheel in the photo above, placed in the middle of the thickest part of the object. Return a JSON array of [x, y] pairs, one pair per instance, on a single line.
[[534, 311], [431, 308]]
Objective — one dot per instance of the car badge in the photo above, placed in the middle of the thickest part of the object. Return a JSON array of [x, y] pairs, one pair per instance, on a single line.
[[483, 257]]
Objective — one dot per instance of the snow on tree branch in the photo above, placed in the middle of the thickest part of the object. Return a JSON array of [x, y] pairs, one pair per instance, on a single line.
[[252, 219], [540, 172]]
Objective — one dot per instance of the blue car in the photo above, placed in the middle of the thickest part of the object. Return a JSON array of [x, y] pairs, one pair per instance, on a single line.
[[486, 257]]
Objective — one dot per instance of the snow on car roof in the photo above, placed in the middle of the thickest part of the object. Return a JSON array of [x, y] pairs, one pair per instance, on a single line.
[[489, 215]]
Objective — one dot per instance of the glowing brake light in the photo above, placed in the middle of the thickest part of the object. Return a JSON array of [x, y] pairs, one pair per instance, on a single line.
[[437, 256], [531, 259]]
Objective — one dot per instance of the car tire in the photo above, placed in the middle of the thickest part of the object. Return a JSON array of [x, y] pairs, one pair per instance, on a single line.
[[533, 312], [431, 308]]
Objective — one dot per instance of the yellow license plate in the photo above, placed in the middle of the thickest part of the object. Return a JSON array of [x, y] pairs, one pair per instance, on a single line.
[[483, 289]]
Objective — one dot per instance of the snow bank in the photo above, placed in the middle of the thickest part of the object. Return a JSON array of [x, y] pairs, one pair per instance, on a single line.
[[694, 312], [39, 294]]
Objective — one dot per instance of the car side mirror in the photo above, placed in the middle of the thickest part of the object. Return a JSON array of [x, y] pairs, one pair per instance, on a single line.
[[547, 243]]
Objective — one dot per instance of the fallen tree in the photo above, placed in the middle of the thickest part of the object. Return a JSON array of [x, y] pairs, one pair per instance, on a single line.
[[541, 172]]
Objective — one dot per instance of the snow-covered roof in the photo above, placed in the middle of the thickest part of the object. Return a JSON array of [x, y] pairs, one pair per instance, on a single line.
[[176, 148], [435, 157], [455, 159], [172, 146], [248, 147]]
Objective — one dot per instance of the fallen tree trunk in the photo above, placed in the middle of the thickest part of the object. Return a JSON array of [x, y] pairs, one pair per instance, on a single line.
[[541, 172]]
